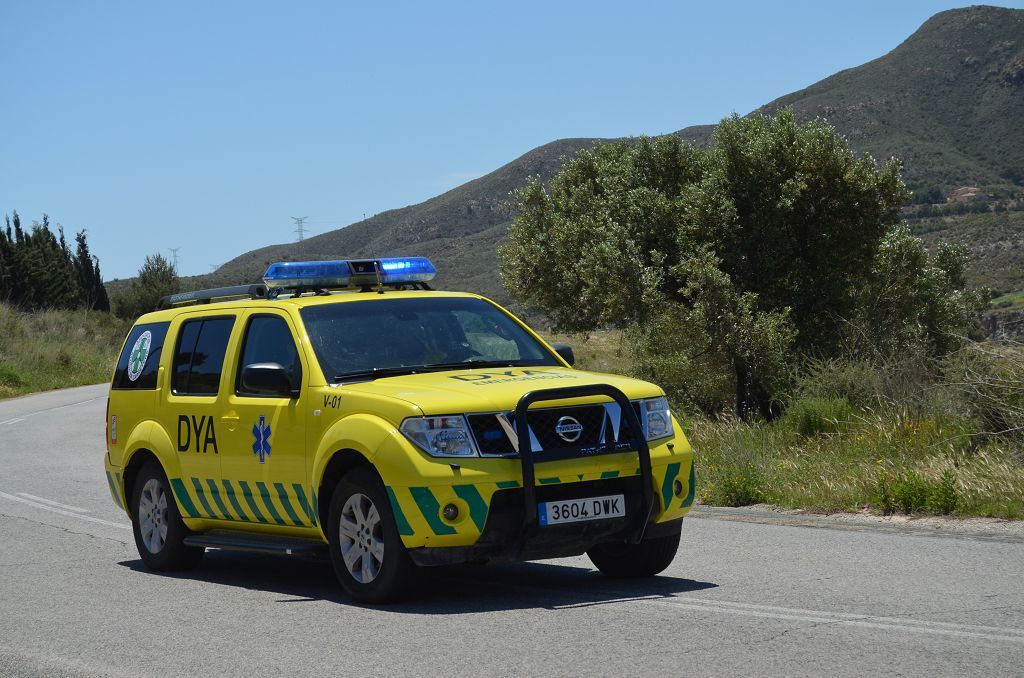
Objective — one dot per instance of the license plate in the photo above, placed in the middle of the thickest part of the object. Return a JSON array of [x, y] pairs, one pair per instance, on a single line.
[[578, 510]]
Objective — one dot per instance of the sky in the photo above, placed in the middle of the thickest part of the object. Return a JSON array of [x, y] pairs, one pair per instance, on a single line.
[[206, 126]]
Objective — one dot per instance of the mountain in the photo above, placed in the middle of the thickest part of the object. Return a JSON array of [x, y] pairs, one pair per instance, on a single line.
[[949, 101]]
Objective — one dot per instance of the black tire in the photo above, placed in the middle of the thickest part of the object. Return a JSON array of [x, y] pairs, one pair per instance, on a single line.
[[633, 561], [168, 553], [392, 575]]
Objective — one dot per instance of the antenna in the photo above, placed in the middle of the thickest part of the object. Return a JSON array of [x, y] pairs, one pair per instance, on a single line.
[[174, 257], [300, 228]]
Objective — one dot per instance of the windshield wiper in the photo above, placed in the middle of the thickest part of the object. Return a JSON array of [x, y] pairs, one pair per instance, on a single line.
[[376, 372], [472, 363]]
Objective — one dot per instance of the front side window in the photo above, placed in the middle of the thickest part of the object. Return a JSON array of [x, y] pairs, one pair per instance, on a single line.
[[434, 333], [199, 360], [269, 340]]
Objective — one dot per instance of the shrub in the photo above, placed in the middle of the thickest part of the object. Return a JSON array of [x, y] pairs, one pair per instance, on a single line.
[[811, 416], [909, 492], [739, 488]]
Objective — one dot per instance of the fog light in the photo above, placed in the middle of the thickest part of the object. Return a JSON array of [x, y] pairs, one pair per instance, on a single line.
[[450, 512], [677, 487]]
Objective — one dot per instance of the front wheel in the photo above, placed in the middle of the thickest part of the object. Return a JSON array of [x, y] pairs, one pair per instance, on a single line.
[[630, 561], [157, 525], [369, 558]]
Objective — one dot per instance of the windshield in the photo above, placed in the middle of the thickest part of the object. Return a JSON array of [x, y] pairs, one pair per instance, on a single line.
[[389, 335]]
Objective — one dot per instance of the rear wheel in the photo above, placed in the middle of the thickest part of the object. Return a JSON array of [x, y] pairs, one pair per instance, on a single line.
[[369, 558], [629, 561], [157, 525]]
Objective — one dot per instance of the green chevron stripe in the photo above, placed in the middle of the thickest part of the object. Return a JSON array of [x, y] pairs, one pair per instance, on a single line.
[[230, 491], [477, 505], [609, 474], [120, 485], [688, 500], [401, 522], [427, 503], [666, 487], [202, 498], [300, 496], [549, 481], [287, 504], [251, 501], [184, 500], [265, 493], [316, 508], [215, 493], [507, 484], [113, 490]]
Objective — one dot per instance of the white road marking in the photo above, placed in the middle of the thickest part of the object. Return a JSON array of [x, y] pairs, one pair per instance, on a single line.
[[72, 514], [51, 502], [844, 619], [48, 409]]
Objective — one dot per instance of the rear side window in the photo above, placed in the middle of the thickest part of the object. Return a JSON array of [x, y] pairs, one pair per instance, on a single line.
[[199, 360], [140, 358], [269, 340]]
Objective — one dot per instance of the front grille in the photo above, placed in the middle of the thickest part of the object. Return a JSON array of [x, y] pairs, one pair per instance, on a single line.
[[596, 422]]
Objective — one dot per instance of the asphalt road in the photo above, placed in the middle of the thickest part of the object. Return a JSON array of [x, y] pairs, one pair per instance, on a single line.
[[741, 598]]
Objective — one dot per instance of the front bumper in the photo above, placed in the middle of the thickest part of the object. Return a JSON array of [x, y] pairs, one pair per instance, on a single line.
[[504, 537], [479, 490]]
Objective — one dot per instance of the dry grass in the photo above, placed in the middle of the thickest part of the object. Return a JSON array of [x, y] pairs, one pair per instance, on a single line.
[[56, 349]]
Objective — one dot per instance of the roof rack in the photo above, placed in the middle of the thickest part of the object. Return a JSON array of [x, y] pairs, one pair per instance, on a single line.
[[213, 295]]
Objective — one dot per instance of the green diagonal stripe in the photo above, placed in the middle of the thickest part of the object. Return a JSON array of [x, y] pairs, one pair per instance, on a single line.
[[609, 474], [230, 491], [265, 493], [300, 495], [477, 505], [316, 508], [430, 509], [251, 501], [507, 484], [202, 498], [549, 481], [287, 504], [688, 500], [404, 528], [113, 490], [666, 487], [184, 500], [215, 493], [120, 485]]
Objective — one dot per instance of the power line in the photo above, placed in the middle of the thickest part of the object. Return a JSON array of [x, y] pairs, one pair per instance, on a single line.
[[174, 257], [300, 228]]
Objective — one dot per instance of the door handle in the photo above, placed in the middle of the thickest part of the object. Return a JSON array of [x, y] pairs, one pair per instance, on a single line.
[[230, 420]]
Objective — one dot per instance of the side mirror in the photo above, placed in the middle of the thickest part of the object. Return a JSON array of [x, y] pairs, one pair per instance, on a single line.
[[564, 350], [268, 379]]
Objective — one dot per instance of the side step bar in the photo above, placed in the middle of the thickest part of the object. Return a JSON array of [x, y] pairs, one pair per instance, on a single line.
[[256, 543]]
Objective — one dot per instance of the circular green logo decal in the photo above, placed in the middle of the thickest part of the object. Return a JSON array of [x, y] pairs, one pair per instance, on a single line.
[[137, 358]]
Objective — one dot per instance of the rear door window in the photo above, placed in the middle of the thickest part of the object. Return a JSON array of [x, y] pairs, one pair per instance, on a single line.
[[199, 359]]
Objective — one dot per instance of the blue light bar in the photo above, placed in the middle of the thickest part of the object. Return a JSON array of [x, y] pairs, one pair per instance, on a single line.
[[308, 274], [410, 269], [346, 273]]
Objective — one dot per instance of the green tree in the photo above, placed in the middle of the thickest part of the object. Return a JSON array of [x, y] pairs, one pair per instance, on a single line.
[[157, 278], [759, 248]]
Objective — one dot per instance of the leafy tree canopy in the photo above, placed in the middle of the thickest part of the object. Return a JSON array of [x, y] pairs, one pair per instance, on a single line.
[[750, 256]]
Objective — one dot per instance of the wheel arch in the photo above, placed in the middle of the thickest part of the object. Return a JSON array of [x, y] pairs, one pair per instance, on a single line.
[[148, 442]]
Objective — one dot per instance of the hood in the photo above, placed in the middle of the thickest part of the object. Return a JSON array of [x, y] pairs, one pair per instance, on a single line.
[[492, 389]]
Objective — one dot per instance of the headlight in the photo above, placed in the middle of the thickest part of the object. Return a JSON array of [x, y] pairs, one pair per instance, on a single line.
[[657, 418], [440, 436]]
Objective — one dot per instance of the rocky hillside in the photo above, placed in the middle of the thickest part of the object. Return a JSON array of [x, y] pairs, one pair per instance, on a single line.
[[949, 100]]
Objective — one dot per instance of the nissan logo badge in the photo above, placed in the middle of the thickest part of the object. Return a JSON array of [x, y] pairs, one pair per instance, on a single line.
[[569, 429]]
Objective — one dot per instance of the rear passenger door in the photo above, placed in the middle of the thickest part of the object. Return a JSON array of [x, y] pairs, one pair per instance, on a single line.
[[192, 413], [264, 456]]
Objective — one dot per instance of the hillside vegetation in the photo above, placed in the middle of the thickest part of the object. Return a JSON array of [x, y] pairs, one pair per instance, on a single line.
[[45, 350], [949, 101]]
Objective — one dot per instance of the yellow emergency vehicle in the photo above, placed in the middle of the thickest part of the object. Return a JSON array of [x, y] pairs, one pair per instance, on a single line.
[[345, 406]]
